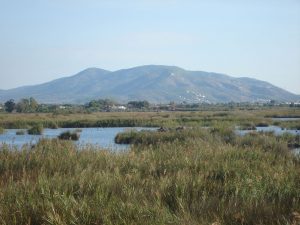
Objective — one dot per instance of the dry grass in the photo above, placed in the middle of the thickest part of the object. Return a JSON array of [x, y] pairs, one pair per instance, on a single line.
[[196, 180]]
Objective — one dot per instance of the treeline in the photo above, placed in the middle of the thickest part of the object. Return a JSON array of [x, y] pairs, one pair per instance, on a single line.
[[30, 105], [23, 106]]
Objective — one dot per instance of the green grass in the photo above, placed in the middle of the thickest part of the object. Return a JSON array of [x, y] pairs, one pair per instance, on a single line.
[[289, 124], [153, 137], [37, 129], [2, 130]]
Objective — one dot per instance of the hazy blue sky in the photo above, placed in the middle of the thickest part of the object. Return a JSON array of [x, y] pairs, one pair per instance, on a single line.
[[41, 40]]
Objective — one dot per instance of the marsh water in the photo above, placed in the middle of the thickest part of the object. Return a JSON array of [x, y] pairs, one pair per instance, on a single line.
[[104, 137], [286, 118], [277, 130], [101, 137]]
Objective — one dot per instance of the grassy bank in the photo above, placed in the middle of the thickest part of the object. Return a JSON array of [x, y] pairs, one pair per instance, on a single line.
[[187, 177], [244, 118]]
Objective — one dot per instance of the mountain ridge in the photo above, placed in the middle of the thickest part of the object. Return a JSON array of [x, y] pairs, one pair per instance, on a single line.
[[155, 83]]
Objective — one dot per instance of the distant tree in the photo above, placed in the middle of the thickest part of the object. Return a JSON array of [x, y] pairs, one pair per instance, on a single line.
[[101, 104], [272, 102], [138, 104], [92, 104], [27, 105], [23, 105], [33, 104], [10, 105]]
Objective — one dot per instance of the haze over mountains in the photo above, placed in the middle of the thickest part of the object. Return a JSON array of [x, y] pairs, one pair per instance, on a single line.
[[157, 84]]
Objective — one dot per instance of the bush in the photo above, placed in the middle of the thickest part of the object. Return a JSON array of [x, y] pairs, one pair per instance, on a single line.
[[36, 130]]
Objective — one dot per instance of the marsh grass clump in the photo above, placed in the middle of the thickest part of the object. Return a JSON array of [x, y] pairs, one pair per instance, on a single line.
[[68, 135], [2, 130], [52, 125], [295, 125], [262, 124], [223, 132], [247, 126], [36, 129], [20, 132], [267, 142], [292, 140], [156, 137], [128, 137], [78, 130]]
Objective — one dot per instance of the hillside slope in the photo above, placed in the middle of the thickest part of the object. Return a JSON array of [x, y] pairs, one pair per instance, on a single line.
[[157, 84]]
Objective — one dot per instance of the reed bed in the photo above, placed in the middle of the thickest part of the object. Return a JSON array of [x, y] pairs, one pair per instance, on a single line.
[[196, 176], [240, 117]]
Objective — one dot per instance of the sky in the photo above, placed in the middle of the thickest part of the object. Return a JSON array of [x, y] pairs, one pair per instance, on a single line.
[[41, 40]]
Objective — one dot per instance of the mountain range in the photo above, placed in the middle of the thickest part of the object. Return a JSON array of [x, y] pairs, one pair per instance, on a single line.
[[154, 83]]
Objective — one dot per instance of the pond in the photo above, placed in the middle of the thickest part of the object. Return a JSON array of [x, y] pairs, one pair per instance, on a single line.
[[101, 137], [277, 130], [286, 118]]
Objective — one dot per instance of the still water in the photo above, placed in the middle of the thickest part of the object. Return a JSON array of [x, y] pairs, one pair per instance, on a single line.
[[286, 118], [102, 137], [277, 130]]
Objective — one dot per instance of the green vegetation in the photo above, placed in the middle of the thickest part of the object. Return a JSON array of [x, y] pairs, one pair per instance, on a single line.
[[37, 129], [27, 105], [245, 119], [262, 124], [177, 179], [202, 173], [99, 105], [20, 132], [1, 130], [288, 124], [68, 135], [9, 105], [139, 104]]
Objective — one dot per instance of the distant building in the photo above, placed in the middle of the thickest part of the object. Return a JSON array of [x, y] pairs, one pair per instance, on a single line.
[[118, 108]]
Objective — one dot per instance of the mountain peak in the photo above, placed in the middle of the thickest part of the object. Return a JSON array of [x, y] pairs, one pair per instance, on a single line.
[[156, 67], [155, 83], [92, 70]]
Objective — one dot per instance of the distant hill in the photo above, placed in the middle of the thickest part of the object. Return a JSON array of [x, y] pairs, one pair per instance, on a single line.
[[157, 84]]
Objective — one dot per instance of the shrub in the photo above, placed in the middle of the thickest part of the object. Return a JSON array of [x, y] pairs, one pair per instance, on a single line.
[[36, 130]]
